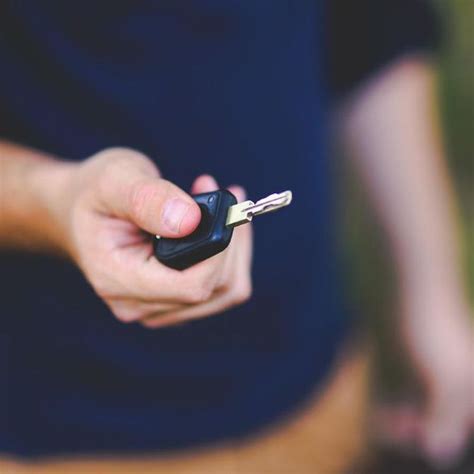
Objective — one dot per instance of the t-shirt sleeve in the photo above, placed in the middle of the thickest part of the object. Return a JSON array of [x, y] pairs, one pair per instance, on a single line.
[[362, 36]]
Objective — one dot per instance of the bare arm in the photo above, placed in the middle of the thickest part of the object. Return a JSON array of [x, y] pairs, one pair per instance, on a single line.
[[392, 132], [31, 190]]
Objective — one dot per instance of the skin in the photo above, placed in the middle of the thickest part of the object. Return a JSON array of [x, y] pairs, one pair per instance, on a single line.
[[95, 213], [392, 132]]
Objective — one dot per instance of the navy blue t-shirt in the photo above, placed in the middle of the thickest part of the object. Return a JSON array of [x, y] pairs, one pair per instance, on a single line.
[[237, 89]]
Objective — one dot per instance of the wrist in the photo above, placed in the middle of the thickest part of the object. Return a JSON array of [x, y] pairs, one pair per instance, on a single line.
[[52, 185], [34, 197], [443, 297], [438, 275]]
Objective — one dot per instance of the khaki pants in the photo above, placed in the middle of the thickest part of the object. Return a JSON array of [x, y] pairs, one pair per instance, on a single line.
[[325, 437]]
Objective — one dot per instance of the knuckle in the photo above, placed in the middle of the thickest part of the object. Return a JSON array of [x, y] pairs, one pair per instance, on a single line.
[[123, 153], [242, 293], [125, 313], [198, 294], [121, 158], [101, 289], [149, 323], [127, 316]]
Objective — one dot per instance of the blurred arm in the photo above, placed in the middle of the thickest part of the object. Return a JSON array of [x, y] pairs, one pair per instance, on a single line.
[[392, 132]]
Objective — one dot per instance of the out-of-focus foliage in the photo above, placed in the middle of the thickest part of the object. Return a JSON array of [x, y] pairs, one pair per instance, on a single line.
[[457, 105], [368, 267]]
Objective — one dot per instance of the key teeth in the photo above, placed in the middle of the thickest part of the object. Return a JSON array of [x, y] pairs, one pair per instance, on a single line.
[[245, 211], [271, 203], [289, 197]]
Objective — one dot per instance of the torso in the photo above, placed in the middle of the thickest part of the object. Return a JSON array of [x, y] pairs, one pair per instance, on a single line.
[[229, 88]]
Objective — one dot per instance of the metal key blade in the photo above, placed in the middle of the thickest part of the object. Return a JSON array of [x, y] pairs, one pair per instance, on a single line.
[[271, 203], [245, 211]]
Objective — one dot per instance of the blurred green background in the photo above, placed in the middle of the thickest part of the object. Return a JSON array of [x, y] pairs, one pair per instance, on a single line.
[[370, 278], [457, 105]]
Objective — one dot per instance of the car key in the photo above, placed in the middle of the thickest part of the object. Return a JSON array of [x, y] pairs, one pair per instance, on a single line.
[[220, 214]]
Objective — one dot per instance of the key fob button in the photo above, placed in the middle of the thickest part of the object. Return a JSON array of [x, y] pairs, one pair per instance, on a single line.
[[209, 238]]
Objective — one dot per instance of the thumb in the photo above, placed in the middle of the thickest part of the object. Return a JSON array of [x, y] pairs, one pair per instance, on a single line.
[[155, 205], [129, 186], [160, 207]]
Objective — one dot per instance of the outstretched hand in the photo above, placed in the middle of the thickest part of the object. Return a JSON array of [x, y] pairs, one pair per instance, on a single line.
[[113, 201]]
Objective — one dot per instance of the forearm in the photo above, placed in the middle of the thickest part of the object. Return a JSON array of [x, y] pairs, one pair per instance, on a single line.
[[393, 134], [31, 191]]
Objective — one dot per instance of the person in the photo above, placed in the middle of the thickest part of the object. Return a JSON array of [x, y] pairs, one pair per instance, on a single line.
[[133, 103]]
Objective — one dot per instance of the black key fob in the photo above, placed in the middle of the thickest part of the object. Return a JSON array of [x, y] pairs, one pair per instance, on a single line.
[[210, 237]]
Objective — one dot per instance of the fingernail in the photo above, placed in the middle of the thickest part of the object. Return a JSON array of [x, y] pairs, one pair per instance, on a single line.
[[173, 214]]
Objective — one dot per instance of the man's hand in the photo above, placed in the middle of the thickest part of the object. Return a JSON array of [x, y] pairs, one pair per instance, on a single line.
[[438, 332], [101, 212]]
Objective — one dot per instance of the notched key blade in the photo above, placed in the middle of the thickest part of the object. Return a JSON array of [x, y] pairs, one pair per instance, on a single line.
[[245, 211], [271, 203]]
